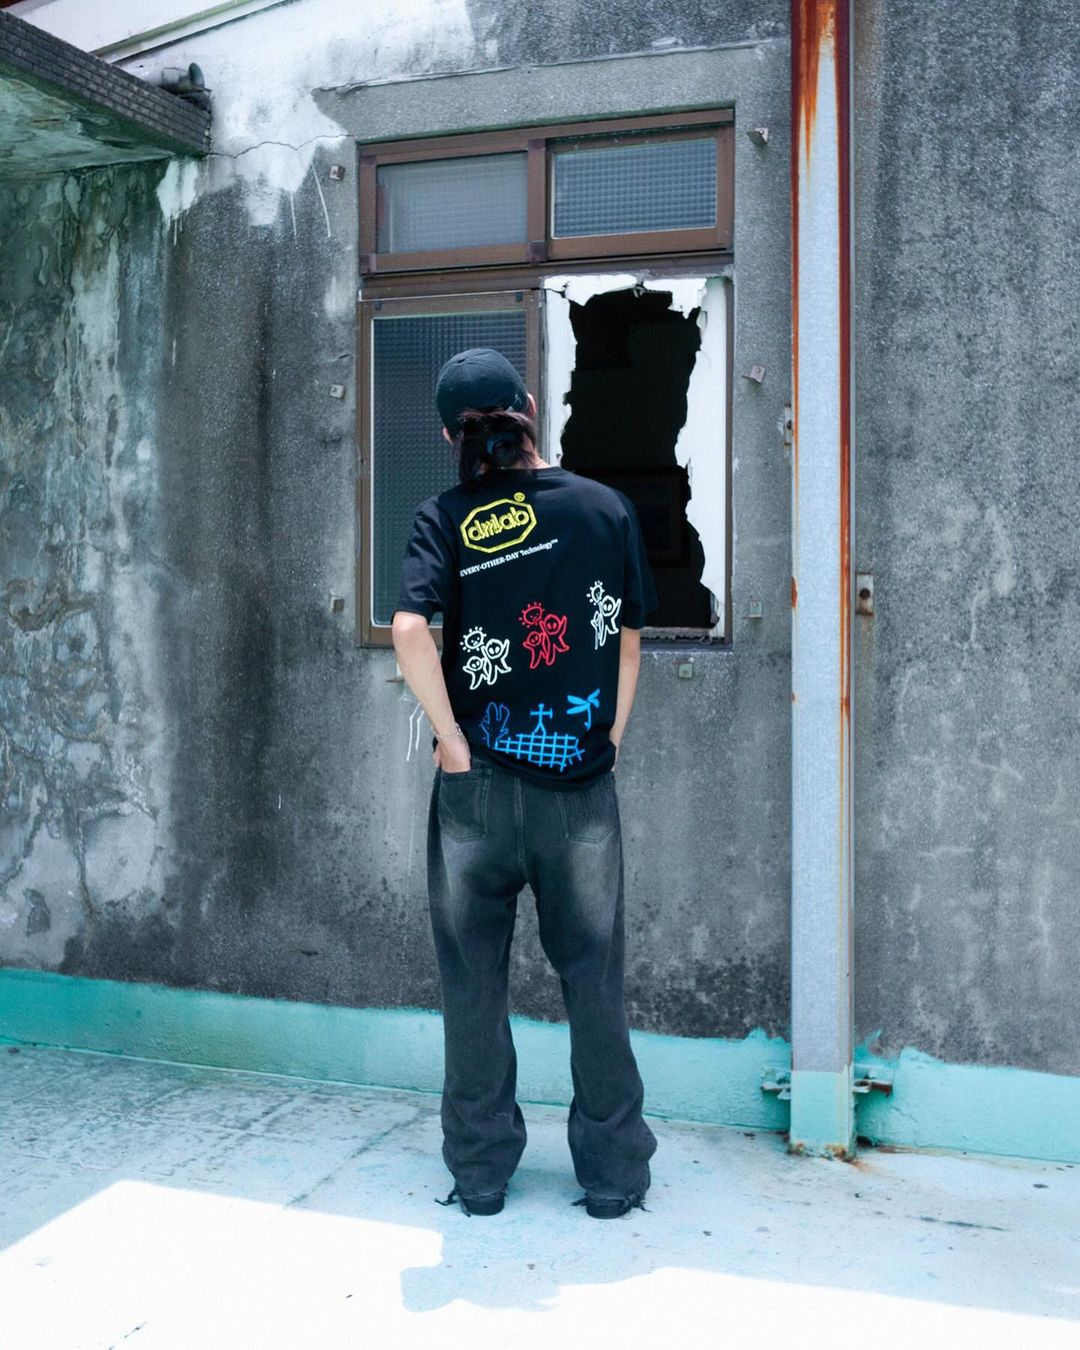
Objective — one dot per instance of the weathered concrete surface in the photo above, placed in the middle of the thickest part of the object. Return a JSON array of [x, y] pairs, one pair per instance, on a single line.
[[208, 784], [84, 831], [968, 772], [247, 811], [570, 29], [183, 1206], [61, 108]]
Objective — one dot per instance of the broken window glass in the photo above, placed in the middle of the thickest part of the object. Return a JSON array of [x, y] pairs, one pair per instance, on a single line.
[[634, 356]]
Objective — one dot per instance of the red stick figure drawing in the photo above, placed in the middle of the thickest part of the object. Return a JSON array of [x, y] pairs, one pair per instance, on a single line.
[[546, 636]]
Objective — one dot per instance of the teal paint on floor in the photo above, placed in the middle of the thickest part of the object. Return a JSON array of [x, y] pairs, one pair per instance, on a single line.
[[934, 1104]]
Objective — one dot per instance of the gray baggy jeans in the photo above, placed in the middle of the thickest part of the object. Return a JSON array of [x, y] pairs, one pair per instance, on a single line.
[[489, 833]]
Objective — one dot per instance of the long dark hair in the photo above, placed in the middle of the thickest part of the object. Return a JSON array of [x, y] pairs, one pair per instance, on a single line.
[[495, 437]]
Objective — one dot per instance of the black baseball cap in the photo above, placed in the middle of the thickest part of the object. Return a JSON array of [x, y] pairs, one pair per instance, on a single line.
[[478, 378]]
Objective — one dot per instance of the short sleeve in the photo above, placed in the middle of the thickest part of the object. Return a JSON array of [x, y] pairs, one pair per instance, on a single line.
[[427, 570], [639, 590]]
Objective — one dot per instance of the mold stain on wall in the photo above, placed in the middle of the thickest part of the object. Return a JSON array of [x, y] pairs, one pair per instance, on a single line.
[[85, 823]]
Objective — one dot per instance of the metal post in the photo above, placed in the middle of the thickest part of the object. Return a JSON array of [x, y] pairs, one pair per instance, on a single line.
[[822, 592]]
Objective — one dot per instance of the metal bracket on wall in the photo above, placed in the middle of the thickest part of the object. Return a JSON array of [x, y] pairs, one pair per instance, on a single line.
[[871, 1080], [778, 1081], [867, 1079]]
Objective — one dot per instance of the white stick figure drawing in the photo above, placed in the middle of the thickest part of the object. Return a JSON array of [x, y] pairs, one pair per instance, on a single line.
[[605, 619], [488, 660]]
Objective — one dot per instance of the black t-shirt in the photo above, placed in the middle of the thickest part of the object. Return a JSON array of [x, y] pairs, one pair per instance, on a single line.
[[534, 571]]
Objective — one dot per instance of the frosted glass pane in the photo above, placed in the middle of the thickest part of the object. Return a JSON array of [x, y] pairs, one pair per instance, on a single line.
[[668, 185], [452, 203], [410, 459]]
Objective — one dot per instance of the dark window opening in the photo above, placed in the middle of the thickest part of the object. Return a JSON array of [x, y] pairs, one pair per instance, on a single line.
[[628, 404]]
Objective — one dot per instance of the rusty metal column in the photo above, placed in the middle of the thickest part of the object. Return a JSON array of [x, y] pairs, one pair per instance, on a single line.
[[822, 593]]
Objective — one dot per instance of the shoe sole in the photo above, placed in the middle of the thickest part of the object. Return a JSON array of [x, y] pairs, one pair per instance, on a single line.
[[614, 1210], [486, 1205]]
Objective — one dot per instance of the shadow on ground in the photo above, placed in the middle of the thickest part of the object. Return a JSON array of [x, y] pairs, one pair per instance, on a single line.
[[201, 1206]]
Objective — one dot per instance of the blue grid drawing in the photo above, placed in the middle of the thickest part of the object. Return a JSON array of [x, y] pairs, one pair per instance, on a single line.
[[544, 748]]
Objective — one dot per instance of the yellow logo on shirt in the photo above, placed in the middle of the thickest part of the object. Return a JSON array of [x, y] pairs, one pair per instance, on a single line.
[[489, 529]]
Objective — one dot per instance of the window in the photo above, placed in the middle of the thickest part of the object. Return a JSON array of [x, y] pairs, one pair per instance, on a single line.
[[638, 186], [404, 345], [634, 187], [450, 203], [571, 249]]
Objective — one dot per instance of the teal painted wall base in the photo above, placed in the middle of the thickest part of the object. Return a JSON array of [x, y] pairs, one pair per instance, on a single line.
[[823, 1112], [933, 1104], [707, 1080], [972, 1108]]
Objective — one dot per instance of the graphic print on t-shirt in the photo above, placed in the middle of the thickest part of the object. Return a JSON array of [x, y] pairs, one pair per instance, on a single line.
[[605, 619], [536, 562], [584, 705], [487, 659], [489, 530], [546, 749], [547, 634]]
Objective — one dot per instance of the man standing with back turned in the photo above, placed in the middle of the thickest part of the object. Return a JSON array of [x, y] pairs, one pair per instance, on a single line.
[[543, 584]]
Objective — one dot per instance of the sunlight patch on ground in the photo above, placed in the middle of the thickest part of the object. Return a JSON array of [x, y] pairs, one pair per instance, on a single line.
[[171, 1267]]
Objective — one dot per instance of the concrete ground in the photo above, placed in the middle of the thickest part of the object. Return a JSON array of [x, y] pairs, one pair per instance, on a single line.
[[149, 1205]]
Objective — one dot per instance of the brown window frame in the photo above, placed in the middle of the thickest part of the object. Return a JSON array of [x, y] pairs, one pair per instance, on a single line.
[[502, 276], [540, 144]]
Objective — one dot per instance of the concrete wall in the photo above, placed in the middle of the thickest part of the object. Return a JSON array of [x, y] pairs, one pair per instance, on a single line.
[[967, 769], [210, 785], [239, 806]]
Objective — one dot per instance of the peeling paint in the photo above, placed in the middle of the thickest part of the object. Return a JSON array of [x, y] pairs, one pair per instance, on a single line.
[[50, 129], [707, 1079], [267, 124], [178, 188]]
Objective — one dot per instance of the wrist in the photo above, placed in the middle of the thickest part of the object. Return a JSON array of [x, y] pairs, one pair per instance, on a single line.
[[454, 732]]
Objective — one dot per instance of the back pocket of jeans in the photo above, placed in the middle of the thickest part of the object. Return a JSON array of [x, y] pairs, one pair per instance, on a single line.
[[463, 803], [590, 814]]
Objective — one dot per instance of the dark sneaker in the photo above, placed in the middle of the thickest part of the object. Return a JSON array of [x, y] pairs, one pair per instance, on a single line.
[[491, 1203], [614, 1207], [601, 1207]]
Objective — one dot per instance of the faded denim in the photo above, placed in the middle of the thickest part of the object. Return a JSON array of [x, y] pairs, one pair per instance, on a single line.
[[489, 833]]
